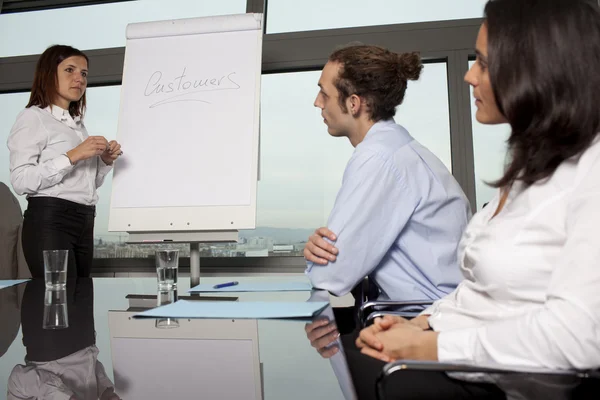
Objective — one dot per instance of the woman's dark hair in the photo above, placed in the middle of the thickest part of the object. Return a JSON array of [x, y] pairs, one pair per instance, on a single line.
[[44, 89], [376, 74], [544, 65]]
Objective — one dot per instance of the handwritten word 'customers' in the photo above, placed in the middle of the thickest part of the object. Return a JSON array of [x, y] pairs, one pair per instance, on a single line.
[[182, 88]]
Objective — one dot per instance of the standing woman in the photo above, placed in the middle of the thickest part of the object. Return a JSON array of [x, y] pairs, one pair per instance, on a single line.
[[57, 164]]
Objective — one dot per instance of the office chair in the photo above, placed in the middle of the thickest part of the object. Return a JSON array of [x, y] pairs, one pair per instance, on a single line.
[[406, 309], [12, 259], [521, 381], [367, 308]]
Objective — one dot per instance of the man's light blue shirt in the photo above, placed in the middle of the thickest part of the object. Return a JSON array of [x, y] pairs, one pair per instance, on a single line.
[[398, 217]]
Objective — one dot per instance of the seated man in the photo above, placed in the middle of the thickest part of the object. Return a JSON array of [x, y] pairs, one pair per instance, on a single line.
[[399, 214]]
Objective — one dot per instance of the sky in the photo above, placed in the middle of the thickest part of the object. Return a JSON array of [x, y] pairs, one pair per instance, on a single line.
[[301, 165], [79, 26]]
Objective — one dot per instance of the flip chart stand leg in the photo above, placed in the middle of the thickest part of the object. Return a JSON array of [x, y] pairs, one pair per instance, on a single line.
[[194, 264]]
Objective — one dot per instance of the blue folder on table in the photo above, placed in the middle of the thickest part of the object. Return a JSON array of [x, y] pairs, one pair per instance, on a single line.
[[236, 310], [255, 287], [11, 282]]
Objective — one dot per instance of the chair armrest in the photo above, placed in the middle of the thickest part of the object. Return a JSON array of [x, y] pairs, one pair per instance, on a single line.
[[365, 309], [414, 365], [381, 313], [434, 366]]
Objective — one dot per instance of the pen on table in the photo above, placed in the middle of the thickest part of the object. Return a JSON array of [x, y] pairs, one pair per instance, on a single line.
[[226, 284]]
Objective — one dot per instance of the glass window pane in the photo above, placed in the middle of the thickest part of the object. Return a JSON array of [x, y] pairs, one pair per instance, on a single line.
[[291, 16], [489, 150], [101, 120], [97, 26], [301, 165], [425, 112]]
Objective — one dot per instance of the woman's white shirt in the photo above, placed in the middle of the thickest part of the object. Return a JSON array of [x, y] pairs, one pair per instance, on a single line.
[[531, 289], [38, 143]]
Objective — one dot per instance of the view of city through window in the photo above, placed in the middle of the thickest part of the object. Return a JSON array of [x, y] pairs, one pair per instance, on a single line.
[[261, 242]]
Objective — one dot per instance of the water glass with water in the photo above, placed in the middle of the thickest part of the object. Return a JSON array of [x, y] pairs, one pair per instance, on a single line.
[[55, 268], [56, 314], [167, 265]]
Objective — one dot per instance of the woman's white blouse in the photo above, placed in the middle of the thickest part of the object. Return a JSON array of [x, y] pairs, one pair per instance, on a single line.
[[38, 143], [531, 289]]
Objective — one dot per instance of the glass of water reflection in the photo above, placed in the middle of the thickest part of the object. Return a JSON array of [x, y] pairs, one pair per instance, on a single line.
[[167, 264], [165, 297], [56, 314], [55, 268]]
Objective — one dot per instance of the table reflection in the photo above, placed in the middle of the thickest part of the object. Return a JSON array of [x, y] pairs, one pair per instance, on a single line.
[[61, 358]]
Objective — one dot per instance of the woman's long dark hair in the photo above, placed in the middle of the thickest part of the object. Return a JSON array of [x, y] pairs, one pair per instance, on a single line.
[[544, 65], [44, 89]]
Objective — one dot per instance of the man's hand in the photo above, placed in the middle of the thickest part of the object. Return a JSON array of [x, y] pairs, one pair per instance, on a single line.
[[322, 333], [318, 250]]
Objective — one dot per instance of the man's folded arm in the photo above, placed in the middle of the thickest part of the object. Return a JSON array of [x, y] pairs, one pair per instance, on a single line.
[[371, 210]]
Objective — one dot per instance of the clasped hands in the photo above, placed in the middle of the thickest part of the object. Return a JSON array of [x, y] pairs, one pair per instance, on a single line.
[[96, 146], [112, 152], [392, 338]]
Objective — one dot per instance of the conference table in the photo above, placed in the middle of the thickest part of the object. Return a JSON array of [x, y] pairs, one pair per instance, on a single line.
[[104, 346], [208, 359]]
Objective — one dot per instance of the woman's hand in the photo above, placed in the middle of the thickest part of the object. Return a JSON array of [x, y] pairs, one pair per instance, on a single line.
[[422, 321], [368, 336], [112, 152], [392, 338], [90, 147]]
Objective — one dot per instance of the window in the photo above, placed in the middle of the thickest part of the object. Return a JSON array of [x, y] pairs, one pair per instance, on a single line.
[[101, 120], [425, 112], [292, 16], [489, 149], [97, 26], [301, 165]]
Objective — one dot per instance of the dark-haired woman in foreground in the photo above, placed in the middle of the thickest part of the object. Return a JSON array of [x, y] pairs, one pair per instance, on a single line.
[[530, 259], [57, 165]]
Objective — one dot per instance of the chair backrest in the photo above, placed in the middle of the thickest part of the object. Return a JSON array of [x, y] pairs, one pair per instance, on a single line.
[[363, 292], [12, 260]]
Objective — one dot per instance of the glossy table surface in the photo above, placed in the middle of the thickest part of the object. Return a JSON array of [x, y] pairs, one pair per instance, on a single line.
[[290, 367]]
